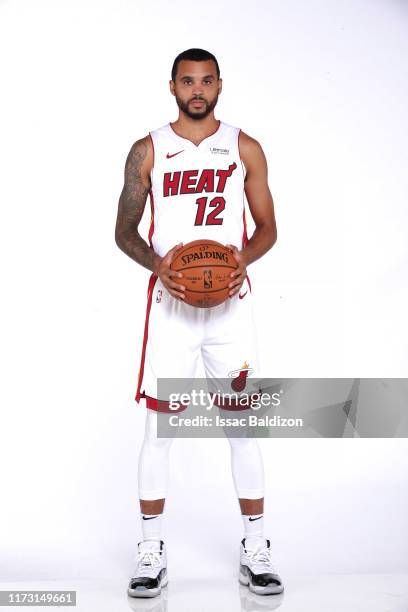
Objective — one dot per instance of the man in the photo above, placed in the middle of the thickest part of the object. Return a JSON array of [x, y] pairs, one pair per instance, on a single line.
[[177, 165]]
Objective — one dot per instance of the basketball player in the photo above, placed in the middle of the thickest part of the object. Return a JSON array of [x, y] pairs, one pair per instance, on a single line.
[[196, 171]]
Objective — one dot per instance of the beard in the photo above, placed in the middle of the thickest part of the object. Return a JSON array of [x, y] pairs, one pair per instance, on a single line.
[[196, 113]]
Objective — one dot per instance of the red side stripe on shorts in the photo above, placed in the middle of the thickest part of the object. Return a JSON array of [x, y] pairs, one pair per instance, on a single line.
[[150, 288]]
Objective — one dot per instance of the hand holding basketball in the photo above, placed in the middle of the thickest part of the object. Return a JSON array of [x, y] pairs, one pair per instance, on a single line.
[[206, 266], [239, 275], [168, 276]]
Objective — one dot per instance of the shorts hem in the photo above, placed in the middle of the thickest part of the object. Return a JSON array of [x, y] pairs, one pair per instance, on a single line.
[[151, 495], [152, 403], [251, 493]]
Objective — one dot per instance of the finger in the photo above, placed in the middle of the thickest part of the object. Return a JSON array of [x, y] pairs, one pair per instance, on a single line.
[[172, 285], [169, 255], [174, 273], [173, 253], [170, 280], [236, 255], [237, 282], [174, 248], [177, 294], [234, 287], [238, 272], [234, 291]]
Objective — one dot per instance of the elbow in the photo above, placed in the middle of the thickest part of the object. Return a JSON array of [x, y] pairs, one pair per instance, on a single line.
[[119, 238], [272, 236]]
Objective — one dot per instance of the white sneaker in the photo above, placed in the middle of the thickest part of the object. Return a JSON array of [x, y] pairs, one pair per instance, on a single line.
[[256, 570], [150, 574]]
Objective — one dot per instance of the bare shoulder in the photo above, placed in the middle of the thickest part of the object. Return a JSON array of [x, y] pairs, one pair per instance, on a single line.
[[247, 144], [250, 150], [140, 156]]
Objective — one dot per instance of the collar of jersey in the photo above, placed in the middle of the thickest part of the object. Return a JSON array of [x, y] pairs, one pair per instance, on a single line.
[[190, 142]]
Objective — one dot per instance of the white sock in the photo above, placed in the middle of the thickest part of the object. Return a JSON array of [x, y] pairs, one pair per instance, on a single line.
[[253, 530], [151, 526]]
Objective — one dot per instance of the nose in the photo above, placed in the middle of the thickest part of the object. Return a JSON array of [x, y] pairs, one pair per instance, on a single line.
[[198, 89]]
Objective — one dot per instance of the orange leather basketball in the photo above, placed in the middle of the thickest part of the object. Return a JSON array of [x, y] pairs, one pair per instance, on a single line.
[[206, 266]]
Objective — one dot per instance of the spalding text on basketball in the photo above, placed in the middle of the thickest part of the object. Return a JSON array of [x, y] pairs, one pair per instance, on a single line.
[[204, 255]]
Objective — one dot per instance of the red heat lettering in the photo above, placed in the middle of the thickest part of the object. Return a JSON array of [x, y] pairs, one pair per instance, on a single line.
[[223, 175], [188, 181], [206, 181], [171, 181]]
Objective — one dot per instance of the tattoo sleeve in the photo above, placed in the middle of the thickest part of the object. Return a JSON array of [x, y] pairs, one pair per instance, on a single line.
[[132, 202]]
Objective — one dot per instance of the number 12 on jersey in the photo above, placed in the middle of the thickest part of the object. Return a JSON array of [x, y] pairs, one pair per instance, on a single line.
[[218, 204]]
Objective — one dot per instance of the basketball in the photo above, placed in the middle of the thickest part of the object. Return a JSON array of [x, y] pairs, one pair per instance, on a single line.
[[206, 266]]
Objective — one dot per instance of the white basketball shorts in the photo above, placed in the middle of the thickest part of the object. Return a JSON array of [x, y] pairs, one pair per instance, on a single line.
[[176, 334]]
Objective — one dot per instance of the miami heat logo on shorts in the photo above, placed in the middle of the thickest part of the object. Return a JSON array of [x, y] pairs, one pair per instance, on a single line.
[[240, 377]]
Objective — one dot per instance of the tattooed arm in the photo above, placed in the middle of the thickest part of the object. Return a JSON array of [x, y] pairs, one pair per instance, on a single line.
[[132, 202]]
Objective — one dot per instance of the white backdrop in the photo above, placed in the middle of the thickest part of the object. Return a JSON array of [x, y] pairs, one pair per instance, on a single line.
[[322, 85]]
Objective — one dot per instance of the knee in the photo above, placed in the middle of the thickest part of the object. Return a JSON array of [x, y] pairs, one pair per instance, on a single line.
[[155, 447]]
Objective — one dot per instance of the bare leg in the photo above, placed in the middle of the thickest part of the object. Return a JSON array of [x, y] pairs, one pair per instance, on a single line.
[[251, 506], [154, 506]]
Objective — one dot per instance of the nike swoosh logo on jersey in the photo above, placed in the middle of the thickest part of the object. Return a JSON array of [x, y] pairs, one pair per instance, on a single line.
[[173, 154], [255, 519], [149, 518], [242, 296]]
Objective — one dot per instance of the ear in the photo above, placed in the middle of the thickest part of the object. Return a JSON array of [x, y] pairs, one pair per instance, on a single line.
[[219, 86], [171, 85]]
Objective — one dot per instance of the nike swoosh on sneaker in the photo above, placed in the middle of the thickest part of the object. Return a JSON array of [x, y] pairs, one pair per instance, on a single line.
[[242, 296], [149, 518], [173, 154], [255, 519]]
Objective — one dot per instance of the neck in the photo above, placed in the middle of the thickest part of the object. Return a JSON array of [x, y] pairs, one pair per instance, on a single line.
[[195, 129]]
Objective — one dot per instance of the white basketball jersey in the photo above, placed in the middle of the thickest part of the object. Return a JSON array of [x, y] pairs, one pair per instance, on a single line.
[[197, 191]]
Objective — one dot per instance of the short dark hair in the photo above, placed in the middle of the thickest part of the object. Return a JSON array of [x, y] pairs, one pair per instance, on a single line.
[[195, 55]]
